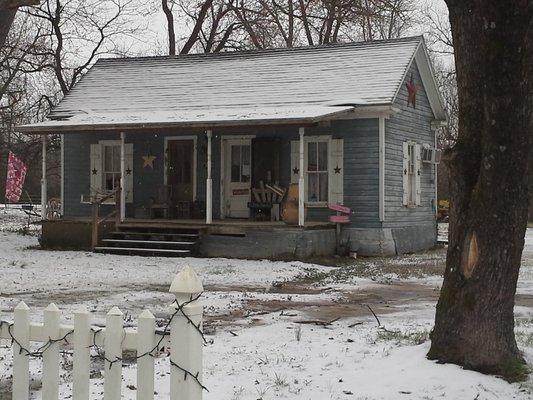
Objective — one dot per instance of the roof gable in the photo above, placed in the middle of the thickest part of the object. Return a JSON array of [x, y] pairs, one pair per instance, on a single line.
[[421, 58]]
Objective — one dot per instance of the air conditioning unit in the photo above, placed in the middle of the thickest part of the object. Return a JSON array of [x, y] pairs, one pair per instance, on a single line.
[[431, 155]]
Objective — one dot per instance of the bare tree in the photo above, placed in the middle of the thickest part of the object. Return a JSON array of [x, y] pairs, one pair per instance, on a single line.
[[210, 22], [8, 10], [16, 56], [288, 23], [167, 9], [80, 32]]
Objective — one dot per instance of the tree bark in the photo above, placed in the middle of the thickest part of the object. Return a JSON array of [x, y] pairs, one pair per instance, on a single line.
[[474, 321], [193, 37], [170, 28], [8, 9]]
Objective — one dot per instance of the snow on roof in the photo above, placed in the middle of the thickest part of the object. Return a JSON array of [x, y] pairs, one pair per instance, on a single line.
[[201, 117], [303, 82]]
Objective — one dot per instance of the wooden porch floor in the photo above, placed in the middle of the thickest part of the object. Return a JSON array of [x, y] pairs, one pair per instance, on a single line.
[[224, 226]]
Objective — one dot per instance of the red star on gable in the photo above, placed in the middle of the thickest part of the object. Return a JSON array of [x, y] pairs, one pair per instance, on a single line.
[[411, 89]]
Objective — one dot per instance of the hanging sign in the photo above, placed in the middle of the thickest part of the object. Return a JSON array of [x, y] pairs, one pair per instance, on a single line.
[[16, 175], [339, 208], [339, 219]]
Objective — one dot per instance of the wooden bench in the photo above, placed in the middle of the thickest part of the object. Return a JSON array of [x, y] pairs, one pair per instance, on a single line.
[[266, 202]]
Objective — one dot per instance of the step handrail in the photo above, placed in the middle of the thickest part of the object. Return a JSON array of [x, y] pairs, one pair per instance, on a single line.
[[96, 202]]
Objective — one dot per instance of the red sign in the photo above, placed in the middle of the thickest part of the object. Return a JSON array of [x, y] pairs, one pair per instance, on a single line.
[[339, 219], [339, 208], [16, 174], [240, 192]]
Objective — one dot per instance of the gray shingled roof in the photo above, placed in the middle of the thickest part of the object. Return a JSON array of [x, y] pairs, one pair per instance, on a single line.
[[285, 84]]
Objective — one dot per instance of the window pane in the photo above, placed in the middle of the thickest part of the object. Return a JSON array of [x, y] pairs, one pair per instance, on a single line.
[[187, 169], [323, 186], [116, 159], [411, 159], [312, 187], [235, 163], [108, 158], [245, 164], [322, 156], [116, 177], [312, 156], [109, 181]]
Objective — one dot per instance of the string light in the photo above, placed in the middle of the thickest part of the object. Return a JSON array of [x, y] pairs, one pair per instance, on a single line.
[[101, 354]]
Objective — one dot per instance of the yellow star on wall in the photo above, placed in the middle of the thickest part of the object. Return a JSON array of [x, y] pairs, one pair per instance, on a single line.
[[148, 161]]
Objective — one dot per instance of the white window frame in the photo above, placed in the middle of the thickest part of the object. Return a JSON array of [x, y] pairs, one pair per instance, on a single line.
[[316, 139], [104, 144], [412, 171], [411, 178]]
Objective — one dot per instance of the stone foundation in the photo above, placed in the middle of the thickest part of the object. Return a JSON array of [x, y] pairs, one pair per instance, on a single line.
[[293, 244], [390, 241]]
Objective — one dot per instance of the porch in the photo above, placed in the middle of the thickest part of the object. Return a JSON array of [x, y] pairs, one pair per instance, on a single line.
[[190, 237]]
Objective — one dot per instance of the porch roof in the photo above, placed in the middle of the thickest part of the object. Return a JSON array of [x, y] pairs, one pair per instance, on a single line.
[[281, 114]]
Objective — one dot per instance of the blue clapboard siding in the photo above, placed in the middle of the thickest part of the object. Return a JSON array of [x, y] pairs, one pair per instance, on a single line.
[[361, 169], [360, 166], [409, 124]]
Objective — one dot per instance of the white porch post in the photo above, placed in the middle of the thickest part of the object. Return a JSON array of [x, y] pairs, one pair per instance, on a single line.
[[122, 177], [62, 175], [44, 186], [209, 183], [301, 181], [382, 169]]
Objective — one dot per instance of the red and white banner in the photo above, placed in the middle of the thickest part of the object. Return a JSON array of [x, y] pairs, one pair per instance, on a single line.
[[16, 175]]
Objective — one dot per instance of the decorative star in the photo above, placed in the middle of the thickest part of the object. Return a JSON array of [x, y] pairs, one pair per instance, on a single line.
[[148, 161], [296, 170], [128, 171], [94, 171], [411, 89], [337, 169]]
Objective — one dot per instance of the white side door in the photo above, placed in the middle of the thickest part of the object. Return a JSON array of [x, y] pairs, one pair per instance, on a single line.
[[238, 176]]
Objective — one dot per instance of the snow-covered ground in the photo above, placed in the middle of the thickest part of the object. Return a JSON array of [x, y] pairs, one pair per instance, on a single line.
[[278, 352]]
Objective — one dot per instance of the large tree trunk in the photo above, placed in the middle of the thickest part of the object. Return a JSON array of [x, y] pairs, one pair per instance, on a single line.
[[474, 322], [8, 9]]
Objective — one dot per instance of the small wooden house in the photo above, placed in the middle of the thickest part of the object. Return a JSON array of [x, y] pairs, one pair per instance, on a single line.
[[207, 144]]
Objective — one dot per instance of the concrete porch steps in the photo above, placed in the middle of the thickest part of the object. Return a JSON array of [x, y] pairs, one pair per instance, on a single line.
[[151, 240], [137, 251]]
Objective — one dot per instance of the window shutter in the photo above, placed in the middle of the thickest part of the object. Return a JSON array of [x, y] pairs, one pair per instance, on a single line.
[[418, 172], [336, 171], [128, 180], [405, 173], [295, 161], [96, 169]]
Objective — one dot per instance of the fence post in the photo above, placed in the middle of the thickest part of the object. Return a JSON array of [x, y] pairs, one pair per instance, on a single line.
[[21, 360], [94, 224], [82, 352], [114, 333], [145, 365], [51, 353], [185, 341]]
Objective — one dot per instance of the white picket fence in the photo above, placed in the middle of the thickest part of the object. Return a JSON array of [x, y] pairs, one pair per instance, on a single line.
[[182, 335]]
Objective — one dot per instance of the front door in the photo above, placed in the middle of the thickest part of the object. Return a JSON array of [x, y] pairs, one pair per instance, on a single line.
[[238, 172], [180, 170]]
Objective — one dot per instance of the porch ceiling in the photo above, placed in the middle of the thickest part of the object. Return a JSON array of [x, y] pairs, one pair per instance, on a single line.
[[205, 117]]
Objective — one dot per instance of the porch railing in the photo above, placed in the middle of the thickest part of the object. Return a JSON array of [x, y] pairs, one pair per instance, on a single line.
[[96, 202]]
